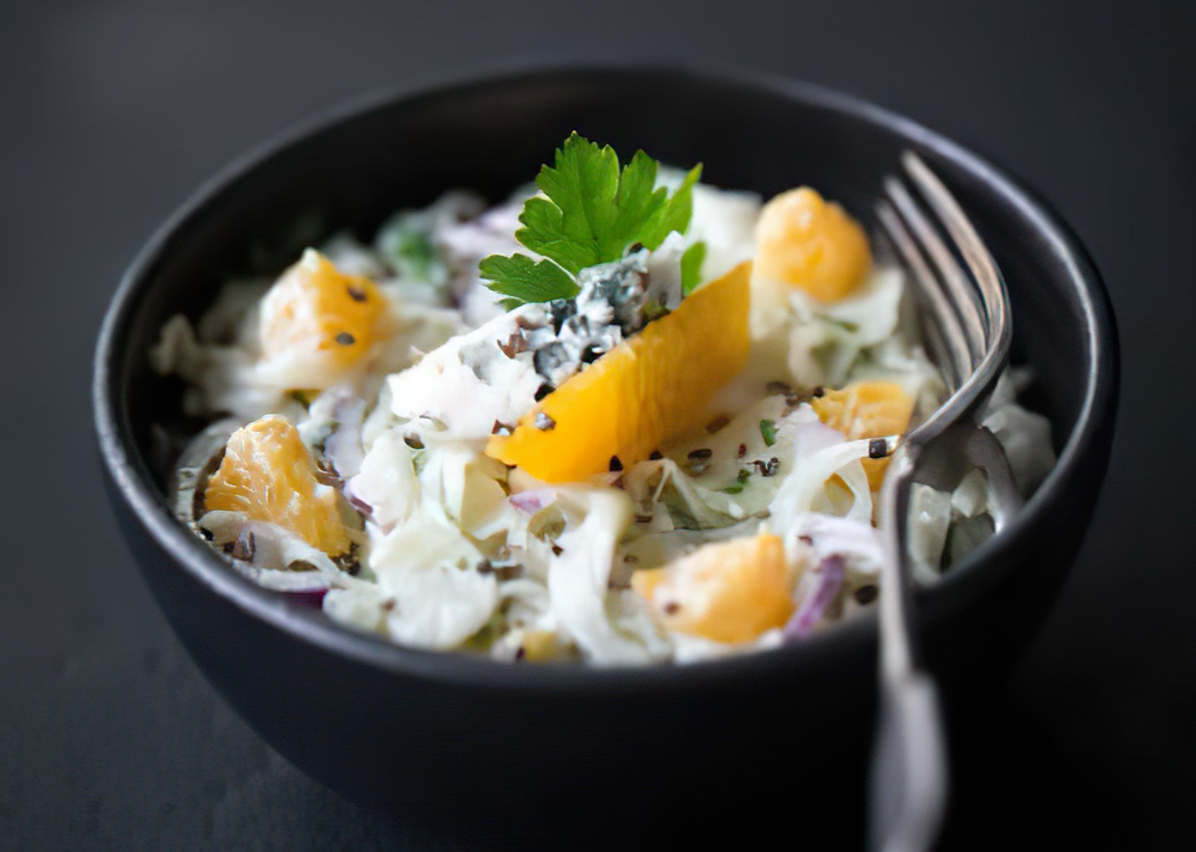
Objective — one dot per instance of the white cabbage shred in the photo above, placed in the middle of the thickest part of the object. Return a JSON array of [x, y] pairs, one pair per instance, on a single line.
[[454, 550]]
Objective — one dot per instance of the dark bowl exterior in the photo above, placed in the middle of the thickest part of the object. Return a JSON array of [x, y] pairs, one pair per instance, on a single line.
[[484, 747]]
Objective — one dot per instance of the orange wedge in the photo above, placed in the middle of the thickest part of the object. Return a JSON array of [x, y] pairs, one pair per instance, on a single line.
[[812, 245], [867, 410], [316, 316], [644, 392], [268, 474], [728, 591]]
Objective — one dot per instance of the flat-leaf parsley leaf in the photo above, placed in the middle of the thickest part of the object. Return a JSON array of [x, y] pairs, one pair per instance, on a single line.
[[590, 211]]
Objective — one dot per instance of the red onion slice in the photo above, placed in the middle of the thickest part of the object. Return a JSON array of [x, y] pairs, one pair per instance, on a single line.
[[814, 604]]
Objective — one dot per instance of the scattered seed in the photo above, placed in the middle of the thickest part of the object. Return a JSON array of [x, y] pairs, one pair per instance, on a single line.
[[878, 448], [356, 293], [865, 594], [345, 339], [768, 468], [818, 392], [591, 353], [742, 451], [544, 423], [717, 423], [515, 344], [544, 390], [655, 455], [615, 464], [557, 550]]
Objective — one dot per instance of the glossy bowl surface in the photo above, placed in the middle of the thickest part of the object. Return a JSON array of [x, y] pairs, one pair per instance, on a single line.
[[476, 745]]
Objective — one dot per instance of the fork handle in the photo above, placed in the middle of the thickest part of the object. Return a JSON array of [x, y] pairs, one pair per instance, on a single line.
[[909, 768]]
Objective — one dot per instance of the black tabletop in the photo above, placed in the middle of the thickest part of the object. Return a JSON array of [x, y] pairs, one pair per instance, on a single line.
[[114, 112]]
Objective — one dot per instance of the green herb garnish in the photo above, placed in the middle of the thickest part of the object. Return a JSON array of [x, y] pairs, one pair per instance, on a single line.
[[740, 482], [768, 431], [590, 212], [691, 267]]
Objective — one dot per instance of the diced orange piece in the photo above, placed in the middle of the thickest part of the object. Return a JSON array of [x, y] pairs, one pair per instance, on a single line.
[[641, 394], [316, 317], [871, 409], [268, 474], [728, 591], [811, 244]]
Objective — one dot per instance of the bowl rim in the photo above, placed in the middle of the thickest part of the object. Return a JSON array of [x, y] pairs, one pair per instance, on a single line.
[[128, 471]]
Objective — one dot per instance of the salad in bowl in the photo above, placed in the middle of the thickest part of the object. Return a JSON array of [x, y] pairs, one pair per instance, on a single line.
[[622, 417]]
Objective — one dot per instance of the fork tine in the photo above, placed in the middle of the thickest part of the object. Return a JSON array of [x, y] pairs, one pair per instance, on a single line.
[[946, 336], [960, 293], [971, 248]]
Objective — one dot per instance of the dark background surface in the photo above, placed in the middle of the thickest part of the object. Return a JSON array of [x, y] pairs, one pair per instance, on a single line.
[[113, 113]]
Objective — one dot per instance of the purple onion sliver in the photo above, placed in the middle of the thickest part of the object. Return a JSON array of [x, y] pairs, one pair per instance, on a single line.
[[813, 605], [532, 501], [311, 597]]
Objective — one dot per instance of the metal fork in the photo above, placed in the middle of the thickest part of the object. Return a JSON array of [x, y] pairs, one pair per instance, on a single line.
[[968, 327]]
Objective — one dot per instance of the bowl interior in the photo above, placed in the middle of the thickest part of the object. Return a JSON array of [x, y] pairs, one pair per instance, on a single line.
[[354, 170]]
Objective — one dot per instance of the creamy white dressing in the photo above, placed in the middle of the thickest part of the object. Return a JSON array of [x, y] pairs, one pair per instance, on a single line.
[[455, 551]]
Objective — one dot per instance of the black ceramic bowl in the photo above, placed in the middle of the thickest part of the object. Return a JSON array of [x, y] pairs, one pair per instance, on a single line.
[[479, 744]]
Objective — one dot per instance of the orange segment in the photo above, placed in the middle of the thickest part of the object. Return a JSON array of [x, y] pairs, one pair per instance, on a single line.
[[727, 591], [316, 315], [811, 244], [268, 474], [867, 410], [644, 392]]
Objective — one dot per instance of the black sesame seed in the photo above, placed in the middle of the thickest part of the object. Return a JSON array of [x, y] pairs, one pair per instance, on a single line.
[[742, 451], [768, 468], [615, 464], [345, 339], [544, 423], [701, 453], [591, 353], [356, 294], [413, 442], [655, 455], [819, 391], [544, 390], [717, 423], [878, 448], [865, 594], [557, 550]]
